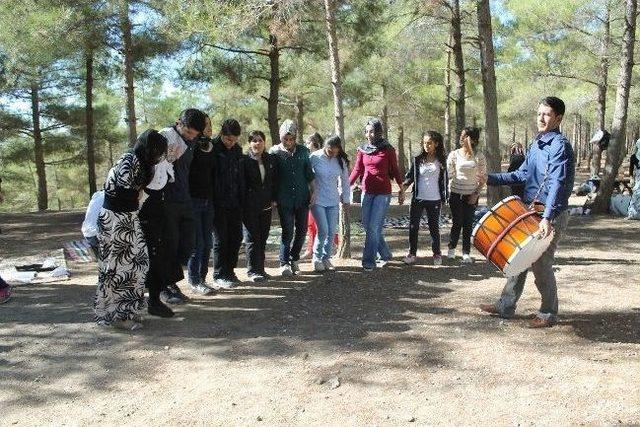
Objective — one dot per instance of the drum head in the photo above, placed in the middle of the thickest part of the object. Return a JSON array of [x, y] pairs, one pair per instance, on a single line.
[[531, 250]]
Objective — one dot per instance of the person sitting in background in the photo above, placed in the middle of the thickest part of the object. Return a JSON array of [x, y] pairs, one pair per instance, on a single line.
[[634, 165]]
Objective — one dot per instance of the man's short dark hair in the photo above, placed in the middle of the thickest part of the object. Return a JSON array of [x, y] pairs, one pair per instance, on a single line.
[[556, 104], [193, 118], [230, 127]]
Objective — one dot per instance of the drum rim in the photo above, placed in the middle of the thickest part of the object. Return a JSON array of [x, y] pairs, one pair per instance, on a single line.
[[491, 210], [524, 243]]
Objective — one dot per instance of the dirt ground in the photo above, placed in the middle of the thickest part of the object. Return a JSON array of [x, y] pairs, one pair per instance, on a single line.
[[394, 346]]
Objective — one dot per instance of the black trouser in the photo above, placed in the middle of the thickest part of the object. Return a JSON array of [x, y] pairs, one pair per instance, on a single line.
[[293, 221], [257, 226], [152, 221], [462, 218], [180, 238], [227, 237], [433, 217]]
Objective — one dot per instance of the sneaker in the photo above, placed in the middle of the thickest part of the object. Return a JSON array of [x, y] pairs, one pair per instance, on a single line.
[[410, 259], [451, 254], [201, 289], [159, 309], [328, 265], [381, 263], [318, 266], [5, 294], [257, 277], [466, 259], [368, 268], [177, 291], [286, 271], [169, 297], [437, 260], [295, 267], [224, 283]]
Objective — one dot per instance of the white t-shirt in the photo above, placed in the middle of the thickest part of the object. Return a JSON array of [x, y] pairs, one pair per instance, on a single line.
[[428, 175]]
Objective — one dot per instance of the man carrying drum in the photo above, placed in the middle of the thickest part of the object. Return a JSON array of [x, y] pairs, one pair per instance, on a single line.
[[548, 174]]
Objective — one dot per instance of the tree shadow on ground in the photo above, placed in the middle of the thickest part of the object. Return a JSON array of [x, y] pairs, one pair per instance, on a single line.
[[606, 326]]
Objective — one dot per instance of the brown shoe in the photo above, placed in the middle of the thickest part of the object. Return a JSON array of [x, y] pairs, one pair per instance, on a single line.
[[489, 308], [537, 323]]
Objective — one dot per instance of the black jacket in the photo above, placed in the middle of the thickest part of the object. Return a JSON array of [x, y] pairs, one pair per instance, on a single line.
[[411, 177], [228, 181], [259, 194]]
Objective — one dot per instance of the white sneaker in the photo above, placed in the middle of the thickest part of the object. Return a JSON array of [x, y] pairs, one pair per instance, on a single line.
[[286, 271], [381, 263], [295, 268], [451, 254], [410, 259], [328, 265], [318, 266], [466, 259]]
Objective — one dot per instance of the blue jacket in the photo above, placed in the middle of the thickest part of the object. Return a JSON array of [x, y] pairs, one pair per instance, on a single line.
[[549, 164]]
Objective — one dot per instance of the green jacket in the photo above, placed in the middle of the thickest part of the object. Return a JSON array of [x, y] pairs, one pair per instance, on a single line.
[[294, 175]]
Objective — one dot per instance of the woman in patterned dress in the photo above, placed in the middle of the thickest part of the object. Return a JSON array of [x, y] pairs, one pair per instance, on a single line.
[[124, 262]]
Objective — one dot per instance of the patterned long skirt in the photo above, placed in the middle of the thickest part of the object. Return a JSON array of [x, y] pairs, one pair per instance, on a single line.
[[123, 266]]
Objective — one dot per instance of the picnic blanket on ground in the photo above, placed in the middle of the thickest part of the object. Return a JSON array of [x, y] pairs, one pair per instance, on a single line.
[[55, 260]]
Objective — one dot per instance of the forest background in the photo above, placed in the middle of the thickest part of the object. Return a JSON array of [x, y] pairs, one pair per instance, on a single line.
[[79, 79]]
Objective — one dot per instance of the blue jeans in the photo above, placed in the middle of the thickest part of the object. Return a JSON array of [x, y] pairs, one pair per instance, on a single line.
[[198, 265], [291, 218], [327, 221], [374, 209]]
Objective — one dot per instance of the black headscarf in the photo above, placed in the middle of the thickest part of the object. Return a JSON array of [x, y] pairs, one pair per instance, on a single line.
[[379, 143], [150, 146]]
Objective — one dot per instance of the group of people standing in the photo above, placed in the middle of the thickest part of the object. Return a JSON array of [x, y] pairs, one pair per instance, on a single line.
[[181, 193]]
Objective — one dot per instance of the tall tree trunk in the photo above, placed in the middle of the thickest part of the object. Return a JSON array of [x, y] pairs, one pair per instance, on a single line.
[[300, 119], [489, 91], [619, 124], [38, 149], [447, 99], [459, 100], [344, 250], [402, 157], [334, 60], [385, 113], [127, 53], [274, 90], [91, 156], [596, 152]]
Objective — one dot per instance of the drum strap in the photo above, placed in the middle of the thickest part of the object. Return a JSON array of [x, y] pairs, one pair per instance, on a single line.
[[542, 184]]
